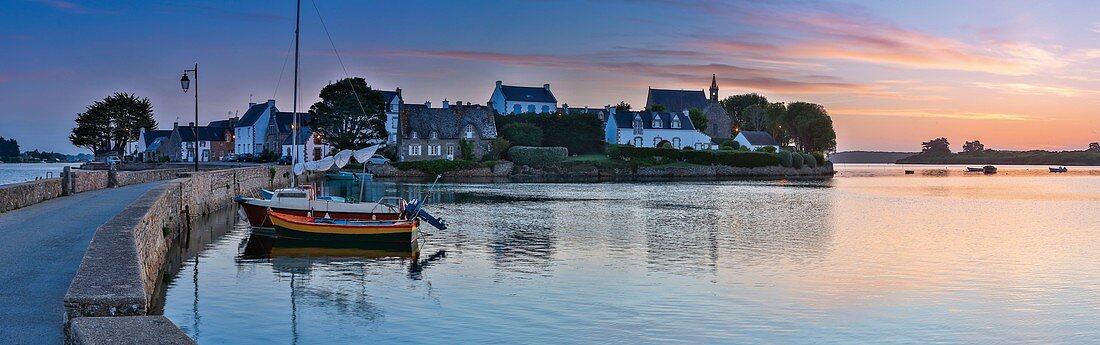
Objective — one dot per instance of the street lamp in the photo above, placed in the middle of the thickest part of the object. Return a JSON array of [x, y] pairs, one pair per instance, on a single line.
[[185, 83]]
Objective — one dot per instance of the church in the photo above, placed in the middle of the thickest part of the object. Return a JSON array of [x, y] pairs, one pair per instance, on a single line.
[[719, 122]]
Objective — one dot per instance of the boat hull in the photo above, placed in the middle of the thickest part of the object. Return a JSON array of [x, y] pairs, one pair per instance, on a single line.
[[300, 228], [257, 214]]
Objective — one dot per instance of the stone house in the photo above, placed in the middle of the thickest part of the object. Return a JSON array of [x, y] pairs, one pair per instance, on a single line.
[[213, 143], [435, 133], [719, 122]]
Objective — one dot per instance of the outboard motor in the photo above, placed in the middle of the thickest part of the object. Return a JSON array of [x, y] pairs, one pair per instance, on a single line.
[[415, 210]]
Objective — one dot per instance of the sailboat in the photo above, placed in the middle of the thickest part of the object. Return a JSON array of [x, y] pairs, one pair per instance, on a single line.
[[303, 202]]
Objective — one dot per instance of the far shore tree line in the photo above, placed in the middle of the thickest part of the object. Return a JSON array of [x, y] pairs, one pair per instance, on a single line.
[[941, 146]]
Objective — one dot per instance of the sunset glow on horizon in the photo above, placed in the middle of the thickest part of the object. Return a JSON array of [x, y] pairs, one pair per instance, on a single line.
[[1016, 76]]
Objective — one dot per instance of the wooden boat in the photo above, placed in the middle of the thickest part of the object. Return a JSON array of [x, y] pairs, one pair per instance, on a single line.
[[1058, 170], [319, 229], [989, 169], [973, 169], [302, 202]]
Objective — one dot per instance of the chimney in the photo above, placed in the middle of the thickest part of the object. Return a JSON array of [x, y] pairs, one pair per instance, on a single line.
[[546, 86], [175, 124], [467, 102], [427, 104], [446, 103], [191, 124], [498, 84], [686, 112], [398, 92], [251, 104]]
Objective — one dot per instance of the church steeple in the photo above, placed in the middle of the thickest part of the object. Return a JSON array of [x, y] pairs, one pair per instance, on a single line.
[[713, 87]]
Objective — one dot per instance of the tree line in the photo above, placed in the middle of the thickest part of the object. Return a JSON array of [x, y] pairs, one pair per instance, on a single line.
[[807, 125], [9, 147]]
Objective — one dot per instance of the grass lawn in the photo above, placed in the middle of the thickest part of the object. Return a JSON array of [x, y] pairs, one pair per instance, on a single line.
[[591, 157]]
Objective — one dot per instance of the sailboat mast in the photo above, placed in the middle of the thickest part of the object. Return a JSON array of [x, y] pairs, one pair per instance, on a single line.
[[295, 128]]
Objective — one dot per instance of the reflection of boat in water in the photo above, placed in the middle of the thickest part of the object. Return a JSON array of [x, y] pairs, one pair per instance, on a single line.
[[340, 175], [974, 169], [989, 169], [264, 244], [1058, 169], [343, 231]]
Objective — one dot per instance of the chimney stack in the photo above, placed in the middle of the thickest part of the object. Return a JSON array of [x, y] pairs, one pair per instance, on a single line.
[[546, 86], [446, 104], [498, 84], [191, 124], [427, 104], [398, 92]]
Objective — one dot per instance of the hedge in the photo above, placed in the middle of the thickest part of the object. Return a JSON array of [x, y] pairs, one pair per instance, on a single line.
[[785, 159], [809, 160], [796, 160], [529, 155], [820, 158]]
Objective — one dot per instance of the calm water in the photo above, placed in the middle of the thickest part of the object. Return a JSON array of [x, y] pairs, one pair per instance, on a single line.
[[891, 259], [23, 172]]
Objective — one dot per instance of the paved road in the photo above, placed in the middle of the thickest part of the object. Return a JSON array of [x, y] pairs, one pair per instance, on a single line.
[[40, 249]]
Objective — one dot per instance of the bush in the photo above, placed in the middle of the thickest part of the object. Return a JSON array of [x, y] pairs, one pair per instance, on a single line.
[[731, 144], [466, 149], [796, 160], [688, 148], [613, 151], [527, 155], [785, 159], [644, 152], [809, 160], [819, 157], [769, 149], [664, 144], [435, 166], [500, 146], [522, 134], [733, 159]]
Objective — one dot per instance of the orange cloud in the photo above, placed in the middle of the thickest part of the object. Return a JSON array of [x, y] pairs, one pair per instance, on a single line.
[[928, 113]]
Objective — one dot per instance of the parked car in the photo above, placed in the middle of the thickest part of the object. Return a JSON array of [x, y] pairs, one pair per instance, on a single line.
[[229, 158], [285, 160], [112, 160], [377, 159]]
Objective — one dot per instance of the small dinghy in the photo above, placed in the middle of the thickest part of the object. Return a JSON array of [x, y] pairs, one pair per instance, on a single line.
[[1058, 170], [973, 169], [319, 229], [989, 169]]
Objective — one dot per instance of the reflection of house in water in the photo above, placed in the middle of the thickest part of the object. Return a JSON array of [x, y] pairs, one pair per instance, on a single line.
[[522, 238]]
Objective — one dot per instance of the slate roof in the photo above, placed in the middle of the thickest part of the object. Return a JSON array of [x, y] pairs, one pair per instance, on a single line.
[[387, 95], [221, 123], [253, 114], [156, 144], [593, 111], [677, 100], [303, 133], [152, 135], [448, 123], [625, 119], [527, 94], [759, 138], [283, 120], [206, 133]]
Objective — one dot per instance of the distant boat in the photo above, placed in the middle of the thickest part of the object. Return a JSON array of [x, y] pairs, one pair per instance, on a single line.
[[910, 172], [1058, 170], [989, 169], [973, 169]]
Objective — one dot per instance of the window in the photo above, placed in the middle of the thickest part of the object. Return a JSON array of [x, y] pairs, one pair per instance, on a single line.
[[656, 121], [516, 109], [413, 135], [394, 108], [676, 141], [675, 122], [637, 141], [546, 108], [656, 140], [530, 108], [414, 150], [469, 131], [450, 150], [434, 135], [433, 150], [637, 124]]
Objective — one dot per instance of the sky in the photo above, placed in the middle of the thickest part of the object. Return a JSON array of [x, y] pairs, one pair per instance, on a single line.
[[891, 74]]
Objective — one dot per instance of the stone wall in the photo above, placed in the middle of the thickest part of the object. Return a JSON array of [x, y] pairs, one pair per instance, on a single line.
[[127, 256], [88, 180], [126, 178], [24, 194]]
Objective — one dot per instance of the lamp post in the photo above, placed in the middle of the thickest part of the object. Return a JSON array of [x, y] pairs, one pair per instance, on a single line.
[[186, 84]]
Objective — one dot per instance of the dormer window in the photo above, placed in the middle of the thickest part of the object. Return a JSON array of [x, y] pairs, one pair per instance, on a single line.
[[413, 135], [656, 121], [469, 131], [637, 124], [434, 135]]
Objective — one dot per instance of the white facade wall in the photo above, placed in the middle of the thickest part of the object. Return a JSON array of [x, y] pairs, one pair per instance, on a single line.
[[250, 139], [187, 148], [740, 139], [679, 138], [392, 116], [503, 106], [307, 151]]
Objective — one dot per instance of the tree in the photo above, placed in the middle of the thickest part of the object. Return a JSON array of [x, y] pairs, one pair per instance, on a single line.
[[1094, 147], [776, 114], [973, 146], [657, 108], [622, 106], [9, 147], [736, 104], [936, 146], [466, 149], [580, 133], [522, 134], [755, 118], [112, 123], [350, 115], [810, 126], [699, 119]]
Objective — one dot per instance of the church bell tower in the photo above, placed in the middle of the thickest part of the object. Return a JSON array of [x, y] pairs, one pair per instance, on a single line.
[[713, 87]]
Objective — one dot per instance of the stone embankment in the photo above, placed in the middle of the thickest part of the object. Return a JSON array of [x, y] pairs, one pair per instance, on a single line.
[[589, 172], [110, 296], [72, 181]]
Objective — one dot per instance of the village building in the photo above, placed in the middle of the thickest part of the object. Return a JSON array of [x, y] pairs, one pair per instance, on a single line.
[[754, 140], [213, 143], [250, 133], [508, 99], [649, 129], [600, 113], [437, 133], [719, 122], [393, 108], [309, 146], [148, 142], [279, 130]]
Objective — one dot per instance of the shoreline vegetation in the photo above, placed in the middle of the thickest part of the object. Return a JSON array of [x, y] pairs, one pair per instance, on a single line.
[[1033, 157]]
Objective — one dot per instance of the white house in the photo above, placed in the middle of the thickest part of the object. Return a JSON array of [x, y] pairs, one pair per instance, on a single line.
[[508, 99], [393, 111], [309, 146], [648, 129], [250, 133], [755, 140]]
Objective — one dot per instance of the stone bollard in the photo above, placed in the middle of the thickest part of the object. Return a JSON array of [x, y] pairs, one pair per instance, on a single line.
[[112, 176], [67, 181]]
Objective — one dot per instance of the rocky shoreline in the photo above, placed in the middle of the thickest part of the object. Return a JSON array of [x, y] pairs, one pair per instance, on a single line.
[[509, 172]]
